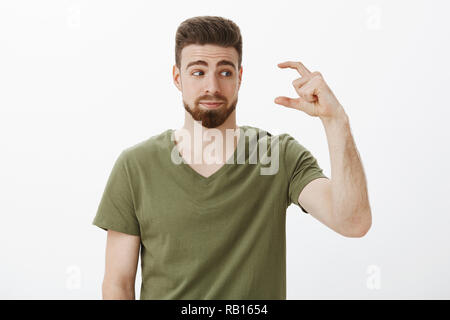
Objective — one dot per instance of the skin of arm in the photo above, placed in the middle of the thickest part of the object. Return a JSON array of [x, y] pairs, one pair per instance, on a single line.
[[350, 201], [342, 202], [122, 256]]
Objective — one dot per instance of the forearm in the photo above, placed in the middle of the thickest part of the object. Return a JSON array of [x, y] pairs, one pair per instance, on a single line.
[[113, 291], [349, 187]]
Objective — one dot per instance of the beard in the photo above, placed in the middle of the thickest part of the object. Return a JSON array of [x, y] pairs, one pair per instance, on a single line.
[[211, 118]]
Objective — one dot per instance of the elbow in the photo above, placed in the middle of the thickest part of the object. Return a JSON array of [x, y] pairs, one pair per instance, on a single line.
[[362, 231], [117, 291], [358, 229]]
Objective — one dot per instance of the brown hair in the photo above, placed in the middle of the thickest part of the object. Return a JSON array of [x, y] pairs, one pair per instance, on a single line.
[[208, 30]]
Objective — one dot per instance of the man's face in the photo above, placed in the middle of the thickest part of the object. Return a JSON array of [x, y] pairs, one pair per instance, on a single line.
[[213, 80]]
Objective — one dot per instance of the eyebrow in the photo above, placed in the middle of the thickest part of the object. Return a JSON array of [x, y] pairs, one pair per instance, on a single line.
[[204, 63]]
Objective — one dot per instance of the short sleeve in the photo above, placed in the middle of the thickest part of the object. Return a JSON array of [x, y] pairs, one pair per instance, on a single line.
[[301, 168], [116, 210]]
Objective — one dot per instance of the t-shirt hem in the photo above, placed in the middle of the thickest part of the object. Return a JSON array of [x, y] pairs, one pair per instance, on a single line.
[[111, 226]]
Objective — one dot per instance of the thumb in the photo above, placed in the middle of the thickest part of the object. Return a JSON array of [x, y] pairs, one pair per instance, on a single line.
[[297, 103]]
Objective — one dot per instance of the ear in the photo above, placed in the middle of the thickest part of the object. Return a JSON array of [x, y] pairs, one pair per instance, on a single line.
[[240, 77], [176, 77]]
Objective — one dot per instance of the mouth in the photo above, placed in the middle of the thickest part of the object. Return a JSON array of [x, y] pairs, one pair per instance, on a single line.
[[211, 105]]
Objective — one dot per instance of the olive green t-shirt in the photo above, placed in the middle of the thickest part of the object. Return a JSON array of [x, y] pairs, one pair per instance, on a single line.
[[216, 237]]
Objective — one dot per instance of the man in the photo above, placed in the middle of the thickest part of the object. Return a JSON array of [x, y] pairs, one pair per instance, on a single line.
[[216, 229]]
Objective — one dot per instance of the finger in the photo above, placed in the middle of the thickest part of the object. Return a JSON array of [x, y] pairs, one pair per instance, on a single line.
[[310, 90], [296, 65], [287, 102], [297, 103], [298, 83]]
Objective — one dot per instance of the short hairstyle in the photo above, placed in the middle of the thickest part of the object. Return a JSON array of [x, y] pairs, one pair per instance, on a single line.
[[208, 30]]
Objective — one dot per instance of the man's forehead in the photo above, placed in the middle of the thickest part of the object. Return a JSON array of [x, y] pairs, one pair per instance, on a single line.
[[208, 52]]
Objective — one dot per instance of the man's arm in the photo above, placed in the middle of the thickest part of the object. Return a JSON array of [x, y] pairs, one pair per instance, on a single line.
[[349, 200], [315, 198], [122, 256], [348, 182], [341, 203]]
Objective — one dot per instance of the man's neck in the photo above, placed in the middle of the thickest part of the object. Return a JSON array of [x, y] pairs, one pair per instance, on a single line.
[[227, 136]]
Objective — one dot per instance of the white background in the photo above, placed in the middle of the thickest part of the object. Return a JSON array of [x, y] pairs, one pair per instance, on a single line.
[[82, 80]]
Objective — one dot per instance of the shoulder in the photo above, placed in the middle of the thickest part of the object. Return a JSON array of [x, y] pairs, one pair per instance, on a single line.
[[259, 134], [146, 149], [283, 138]]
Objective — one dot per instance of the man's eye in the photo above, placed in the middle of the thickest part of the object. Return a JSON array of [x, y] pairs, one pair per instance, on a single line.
[[193, 73]]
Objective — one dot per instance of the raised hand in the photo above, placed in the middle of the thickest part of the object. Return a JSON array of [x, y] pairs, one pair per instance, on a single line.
[[315, 97]]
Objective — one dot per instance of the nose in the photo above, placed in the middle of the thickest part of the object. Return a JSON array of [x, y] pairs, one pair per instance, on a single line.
[[212, 85]]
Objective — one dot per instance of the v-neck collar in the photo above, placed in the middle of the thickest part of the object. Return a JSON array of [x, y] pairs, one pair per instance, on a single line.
[[187, 169]]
